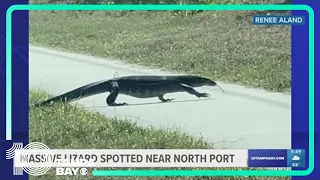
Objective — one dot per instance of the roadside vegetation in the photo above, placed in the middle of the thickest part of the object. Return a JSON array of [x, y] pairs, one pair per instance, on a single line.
[[66, 126], [221, 45]]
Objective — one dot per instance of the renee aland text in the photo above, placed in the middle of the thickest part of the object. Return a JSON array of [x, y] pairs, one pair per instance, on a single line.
[[278, 20]]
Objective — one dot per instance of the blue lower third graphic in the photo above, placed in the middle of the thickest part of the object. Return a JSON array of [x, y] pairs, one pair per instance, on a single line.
[[296, 158], [6, 162], [267, 158], [278, 20]]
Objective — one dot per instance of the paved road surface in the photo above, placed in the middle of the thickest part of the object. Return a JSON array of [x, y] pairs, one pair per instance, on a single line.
[[238, 118]]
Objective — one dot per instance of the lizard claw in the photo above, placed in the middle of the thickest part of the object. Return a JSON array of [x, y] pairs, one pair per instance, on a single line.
[[205, 95], [118, 104], [168, 100]]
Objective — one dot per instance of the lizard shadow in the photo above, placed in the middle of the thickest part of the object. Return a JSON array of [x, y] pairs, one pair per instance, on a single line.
[[152, 103]]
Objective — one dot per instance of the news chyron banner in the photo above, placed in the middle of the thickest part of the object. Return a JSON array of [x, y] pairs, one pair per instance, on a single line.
[[37, 159]]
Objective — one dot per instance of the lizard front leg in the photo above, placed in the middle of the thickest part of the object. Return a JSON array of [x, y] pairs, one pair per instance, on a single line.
[[163, 99], [192, 91], [111, 99]]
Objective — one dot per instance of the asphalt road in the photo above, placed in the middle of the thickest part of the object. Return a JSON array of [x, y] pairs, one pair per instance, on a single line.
[[238, 118]]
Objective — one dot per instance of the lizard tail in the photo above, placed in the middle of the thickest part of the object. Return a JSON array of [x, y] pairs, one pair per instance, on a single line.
[[81, 92], [66, 97]]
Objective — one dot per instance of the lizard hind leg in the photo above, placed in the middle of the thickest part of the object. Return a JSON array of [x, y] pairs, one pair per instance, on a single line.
[[162, 99], [111, 99]]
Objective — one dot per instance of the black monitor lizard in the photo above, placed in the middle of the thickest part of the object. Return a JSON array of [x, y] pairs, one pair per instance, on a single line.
[[135, 86]]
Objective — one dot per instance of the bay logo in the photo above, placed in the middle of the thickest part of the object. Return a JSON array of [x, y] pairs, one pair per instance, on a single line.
[[71, 171]]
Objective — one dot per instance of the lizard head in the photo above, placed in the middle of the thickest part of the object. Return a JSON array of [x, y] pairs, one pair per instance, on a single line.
[[197, 81], [210, 82]]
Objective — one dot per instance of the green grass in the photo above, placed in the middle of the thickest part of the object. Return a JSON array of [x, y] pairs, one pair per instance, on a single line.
[[67, 126], [221, 45]]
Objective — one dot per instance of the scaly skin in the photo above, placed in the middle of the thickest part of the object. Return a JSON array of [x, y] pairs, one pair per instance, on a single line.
[[135, 86]]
